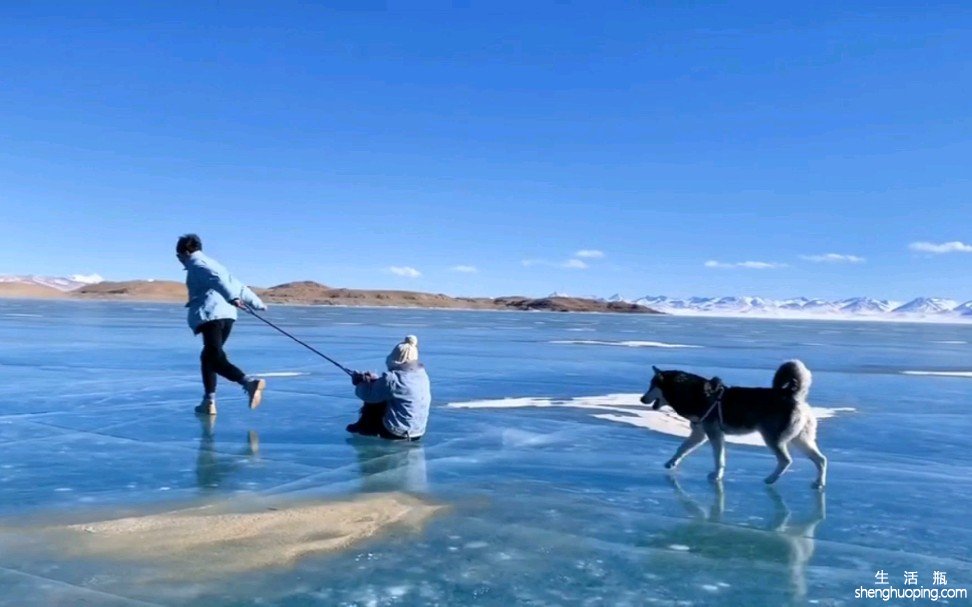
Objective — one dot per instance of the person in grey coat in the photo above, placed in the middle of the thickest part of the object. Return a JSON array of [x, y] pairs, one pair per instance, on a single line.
[[396, 404], [214, 298]]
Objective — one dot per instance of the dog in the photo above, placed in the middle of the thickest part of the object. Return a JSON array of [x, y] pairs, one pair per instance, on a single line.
[[780, 414]]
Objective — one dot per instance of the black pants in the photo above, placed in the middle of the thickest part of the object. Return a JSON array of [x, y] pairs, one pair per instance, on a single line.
[[370, 423], [213, 358]]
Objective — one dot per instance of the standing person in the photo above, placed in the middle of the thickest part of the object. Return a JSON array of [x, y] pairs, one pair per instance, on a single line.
[[214, 297], [396, 405]]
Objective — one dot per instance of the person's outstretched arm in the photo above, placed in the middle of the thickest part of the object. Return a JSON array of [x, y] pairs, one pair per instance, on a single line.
[[371, 390], [251, 299]]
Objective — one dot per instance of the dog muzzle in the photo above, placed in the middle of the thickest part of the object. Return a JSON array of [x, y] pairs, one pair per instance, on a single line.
[[653, 398]]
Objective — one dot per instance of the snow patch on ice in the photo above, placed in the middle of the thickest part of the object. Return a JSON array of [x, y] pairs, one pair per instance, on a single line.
[[282, 374], [939, 373], [828, 412], [624, 409], [626, 344]]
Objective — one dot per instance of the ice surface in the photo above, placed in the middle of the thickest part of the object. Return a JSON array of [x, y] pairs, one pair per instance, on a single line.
[[544, 505]]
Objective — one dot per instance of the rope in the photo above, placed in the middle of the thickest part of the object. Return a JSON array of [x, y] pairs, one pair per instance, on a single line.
[[309, 347], [716, 404]]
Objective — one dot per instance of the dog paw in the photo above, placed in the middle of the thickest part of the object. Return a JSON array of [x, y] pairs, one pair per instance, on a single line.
[[772, 478], [715, 477], [672, 463], [818, 485]]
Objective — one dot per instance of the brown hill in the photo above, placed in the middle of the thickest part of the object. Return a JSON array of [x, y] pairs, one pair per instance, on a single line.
[[14, 290], [294, 292], [314, 293], [135, 290]]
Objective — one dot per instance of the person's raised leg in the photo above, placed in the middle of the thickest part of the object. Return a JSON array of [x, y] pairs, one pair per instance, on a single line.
[[253, 386]]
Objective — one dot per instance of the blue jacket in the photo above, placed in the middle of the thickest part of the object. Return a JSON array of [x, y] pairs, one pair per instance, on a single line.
[[211, 289], [408, 393]]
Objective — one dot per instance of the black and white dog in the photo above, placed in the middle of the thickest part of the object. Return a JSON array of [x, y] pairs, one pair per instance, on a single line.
[[780, 414]]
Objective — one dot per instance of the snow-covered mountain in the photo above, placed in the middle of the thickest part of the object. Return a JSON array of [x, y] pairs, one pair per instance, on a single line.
[[927, 305], [820, 306], [866, 305], [963, 309], [806, 307], [69, 283]]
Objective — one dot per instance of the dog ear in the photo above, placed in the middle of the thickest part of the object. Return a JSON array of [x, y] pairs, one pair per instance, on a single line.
[[714, 387], [656, 370]]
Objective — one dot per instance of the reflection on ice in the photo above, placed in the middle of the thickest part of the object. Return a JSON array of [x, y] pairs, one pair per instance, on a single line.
[[390, 466], [783, 540], [211, 465]]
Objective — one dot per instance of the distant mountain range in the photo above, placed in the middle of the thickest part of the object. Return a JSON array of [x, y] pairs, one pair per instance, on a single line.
[[312, 293], [295, 293], [921, 308]]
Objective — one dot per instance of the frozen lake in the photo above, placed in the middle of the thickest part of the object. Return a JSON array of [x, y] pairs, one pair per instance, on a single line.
[[557, 498]]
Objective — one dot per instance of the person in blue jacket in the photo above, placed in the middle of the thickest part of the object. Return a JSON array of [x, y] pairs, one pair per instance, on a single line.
[[396, 404], [214, 297]]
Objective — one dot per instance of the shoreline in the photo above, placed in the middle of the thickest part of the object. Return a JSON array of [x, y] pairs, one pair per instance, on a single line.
[[121, 300], [665, 315]]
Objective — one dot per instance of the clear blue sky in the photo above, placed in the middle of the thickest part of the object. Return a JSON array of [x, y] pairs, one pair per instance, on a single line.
[[318, 141]]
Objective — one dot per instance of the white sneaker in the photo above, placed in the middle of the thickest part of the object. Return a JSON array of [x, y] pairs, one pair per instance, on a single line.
[[207, 407], [254, 390]]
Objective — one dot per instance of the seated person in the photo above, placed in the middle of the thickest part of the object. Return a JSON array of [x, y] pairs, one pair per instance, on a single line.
[[396, 404]]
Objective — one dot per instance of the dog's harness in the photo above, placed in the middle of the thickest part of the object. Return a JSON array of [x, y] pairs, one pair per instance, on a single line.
[[716, 405]]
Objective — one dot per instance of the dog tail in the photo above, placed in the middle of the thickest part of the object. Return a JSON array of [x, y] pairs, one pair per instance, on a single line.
[[794, 377]]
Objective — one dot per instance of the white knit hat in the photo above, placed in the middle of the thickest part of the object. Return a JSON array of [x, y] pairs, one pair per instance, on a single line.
[[403, 353]]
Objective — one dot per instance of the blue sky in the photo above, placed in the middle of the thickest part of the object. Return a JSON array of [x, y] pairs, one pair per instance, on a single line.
[[337, 141]]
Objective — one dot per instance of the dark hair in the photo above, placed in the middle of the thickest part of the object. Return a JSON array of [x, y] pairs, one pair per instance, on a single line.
[[188, 244]]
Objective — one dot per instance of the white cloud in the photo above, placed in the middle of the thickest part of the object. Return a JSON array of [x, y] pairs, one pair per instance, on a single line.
[[833, 258], [570, 264], [405, 271], [942, 248], [590, 254], [465, 269], [748, 265]]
